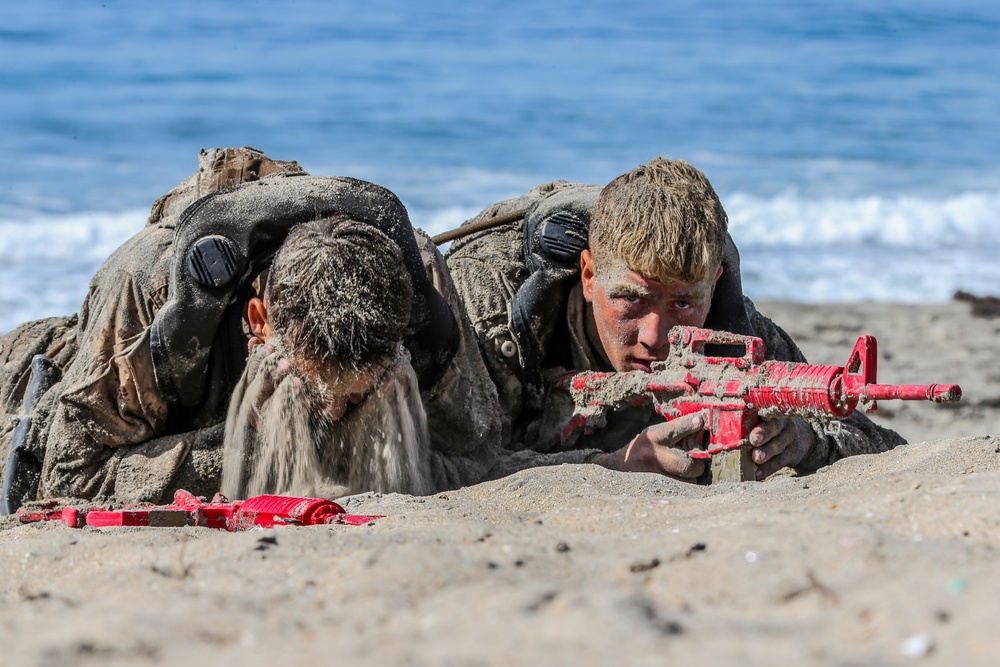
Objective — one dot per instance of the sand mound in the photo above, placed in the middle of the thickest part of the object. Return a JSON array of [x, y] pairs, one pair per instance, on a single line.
[[881, 559]]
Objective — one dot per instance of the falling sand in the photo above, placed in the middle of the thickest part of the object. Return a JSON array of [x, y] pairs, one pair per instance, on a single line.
[[277, 442]]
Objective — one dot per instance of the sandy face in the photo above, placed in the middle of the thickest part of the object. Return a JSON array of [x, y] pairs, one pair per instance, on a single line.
[[279, 441], [632, 313]]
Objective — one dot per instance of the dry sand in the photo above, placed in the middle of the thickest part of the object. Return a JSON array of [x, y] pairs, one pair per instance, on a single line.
[[877, 560]]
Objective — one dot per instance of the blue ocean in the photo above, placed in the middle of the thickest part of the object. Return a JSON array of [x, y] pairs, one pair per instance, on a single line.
[[855, 144]]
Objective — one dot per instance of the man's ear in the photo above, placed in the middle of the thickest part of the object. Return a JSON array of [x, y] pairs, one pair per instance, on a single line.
[[718, 274], [257, 317], [588, 274]]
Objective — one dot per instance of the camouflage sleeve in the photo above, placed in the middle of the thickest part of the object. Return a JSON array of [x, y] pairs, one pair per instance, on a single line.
[[463, 414], [106, 435], [857, 434], [108, 397], [470, 410], [487, 269]]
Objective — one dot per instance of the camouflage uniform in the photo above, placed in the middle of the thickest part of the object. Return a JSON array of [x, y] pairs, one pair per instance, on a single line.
[[488, 268], [105, 429]]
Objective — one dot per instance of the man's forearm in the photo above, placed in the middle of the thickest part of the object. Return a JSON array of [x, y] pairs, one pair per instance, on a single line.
[[857, 435]]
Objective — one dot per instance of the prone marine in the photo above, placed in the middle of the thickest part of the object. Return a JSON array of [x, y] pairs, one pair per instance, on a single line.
[[578, 277], [358, 357]]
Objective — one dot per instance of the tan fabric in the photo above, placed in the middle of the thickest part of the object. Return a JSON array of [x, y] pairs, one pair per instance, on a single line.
[[463, 414], [218, 169], [109, 397], [55, 337], [487, 269]]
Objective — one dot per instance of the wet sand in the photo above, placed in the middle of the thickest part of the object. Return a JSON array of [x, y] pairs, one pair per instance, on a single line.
[[885, 559]]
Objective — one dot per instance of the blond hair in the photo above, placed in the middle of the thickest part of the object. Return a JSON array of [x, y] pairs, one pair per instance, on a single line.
[[663, 220]]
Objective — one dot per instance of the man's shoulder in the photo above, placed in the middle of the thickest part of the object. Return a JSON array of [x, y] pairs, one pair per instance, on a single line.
[[143, 260], [500, 226], [490, 252]]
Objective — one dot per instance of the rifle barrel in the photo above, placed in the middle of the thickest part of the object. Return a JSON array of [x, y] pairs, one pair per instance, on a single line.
[[938, 393]]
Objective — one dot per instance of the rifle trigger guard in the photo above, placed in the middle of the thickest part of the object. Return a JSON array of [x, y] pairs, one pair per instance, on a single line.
[[833, 427]]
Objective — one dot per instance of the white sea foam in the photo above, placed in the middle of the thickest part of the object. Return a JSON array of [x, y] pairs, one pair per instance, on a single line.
[[904, 248], [81, 237], [46, 261], [906, 221], [831, 274]]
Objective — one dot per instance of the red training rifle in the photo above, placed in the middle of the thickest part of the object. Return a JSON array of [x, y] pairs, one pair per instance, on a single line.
[[190, 510], [737, 391]]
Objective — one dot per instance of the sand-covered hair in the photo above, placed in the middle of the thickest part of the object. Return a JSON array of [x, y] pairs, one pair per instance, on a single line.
[[338, 290], [663, 220]]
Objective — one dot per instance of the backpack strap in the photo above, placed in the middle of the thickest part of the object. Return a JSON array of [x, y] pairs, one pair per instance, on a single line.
[[555, 232]]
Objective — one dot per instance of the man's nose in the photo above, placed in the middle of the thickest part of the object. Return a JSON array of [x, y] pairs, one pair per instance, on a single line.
[[653, 335]]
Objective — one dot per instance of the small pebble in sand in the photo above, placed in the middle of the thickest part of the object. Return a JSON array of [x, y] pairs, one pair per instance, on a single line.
[[917, 646], [956, 586]]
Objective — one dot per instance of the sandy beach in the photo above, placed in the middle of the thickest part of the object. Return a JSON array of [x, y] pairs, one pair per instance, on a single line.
[[876, 560]]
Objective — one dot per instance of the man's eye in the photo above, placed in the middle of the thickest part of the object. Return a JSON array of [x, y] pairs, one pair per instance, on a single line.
[[626, 298], [682, 305]]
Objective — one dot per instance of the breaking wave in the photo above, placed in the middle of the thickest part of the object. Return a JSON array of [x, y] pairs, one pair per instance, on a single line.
[[905, 248], [903, 221]]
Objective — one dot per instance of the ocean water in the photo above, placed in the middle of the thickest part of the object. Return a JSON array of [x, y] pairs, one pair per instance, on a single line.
[[854, 144]]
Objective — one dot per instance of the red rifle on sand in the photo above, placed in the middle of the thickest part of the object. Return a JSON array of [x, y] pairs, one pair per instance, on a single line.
[[190, 510]]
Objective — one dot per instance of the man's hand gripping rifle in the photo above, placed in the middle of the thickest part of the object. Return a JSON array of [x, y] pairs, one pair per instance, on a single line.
[[726, 376]]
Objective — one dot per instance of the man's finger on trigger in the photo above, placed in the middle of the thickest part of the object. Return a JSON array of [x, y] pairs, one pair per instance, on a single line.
[[691, 423]]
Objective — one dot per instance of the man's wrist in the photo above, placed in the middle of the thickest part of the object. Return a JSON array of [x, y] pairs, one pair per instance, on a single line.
[[819, 454], [609, 460]]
